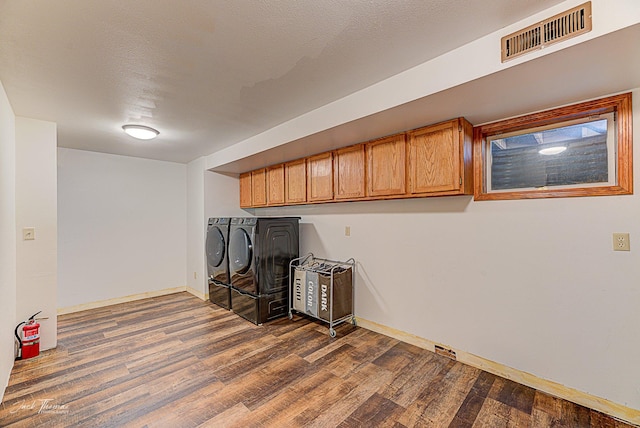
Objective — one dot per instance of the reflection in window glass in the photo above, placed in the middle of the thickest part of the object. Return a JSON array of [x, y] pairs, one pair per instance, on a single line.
[[574, 154]]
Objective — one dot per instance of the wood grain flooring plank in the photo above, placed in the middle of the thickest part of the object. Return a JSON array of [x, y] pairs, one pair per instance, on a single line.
[[600, 420], [513, 394], [495, 414], [349, 358], [221, 342], [406, 386], [304, 340], [367, 381], [180, 412], [203, 324], [284, 325], [86, 400], [557, 412], [335, 343], [455, 388], [474, 400], [57, 396], [229, 418], [176, 361], [159, 392], [286, 406], [238, 391], [24, 370], [263, 384], [90, 361], [237, 362], [53, 379], [468, 411], [376, 411], [209, 335], [75, 332], [399, 356], [439, 402]]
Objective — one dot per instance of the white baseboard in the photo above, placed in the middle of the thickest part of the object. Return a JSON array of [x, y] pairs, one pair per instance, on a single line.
[[115, 301], [553, 388], [198, 294], [4, 383], [131, 298]]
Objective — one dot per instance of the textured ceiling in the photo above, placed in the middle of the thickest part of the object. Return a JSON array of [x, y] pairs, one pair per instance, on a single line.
[[209, 74]]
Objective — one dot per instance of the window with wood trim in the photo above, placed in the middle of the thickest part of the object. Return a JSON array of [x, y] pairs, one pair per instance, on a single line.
[[579, 150]]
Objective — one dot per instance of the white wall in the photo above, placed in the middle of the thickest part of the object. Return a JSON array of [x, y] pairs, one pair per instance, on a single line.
[[36, 206], [532, 284], [196, 268], [122, 226], [210, 194], [222, 196], [8, 241], [477, 59]]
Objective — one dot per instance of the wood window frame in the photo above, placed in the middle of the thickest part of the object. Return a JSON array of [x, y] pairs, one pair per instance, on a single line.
[[620, 104]]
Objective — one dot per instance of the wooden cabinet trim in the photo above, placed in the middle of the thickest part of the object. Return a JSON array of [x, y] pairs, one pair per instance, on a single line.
[[295, 179], [349, 173], [320, 177], [386, 166], [433, 164], [259, 188], [275, 185], [245, 190]]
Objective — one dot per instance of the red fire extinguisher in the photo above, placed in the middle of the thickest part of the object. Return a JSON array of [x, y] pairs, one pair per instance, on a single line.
[[29, 340]]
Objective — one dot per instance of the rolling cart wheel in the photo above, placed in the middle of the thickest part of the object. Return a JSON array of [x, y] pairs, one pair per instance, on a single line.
[[332, 332], [354, 322], [290, 316]]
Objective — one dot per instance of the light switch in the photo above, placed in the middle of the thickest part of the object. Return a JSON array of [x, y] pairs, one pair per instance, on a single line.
[[28, 233]]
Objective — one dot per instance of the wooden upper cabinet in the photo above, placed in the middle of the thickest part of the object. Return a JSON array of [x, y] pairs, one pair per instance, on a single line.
[[437, 158], [434, 160], [320, 177], [348, 172], [275, 185], [245, 190], [295, 185], [259, 188], [386, 163]]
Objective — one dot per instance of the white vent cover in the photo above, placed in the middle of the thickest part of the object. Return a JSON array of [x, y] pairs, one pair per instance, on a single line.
[[560, 27]]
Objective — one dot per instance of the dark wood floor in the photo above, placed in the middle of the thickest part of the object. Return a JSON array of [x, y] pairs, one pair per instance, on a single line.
[[174, 361]]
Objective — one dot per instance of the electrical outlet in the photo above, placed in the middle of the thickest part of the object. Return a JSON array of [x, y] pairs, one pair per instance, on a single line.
[[621, 242], [347, 231], [28, 233], [195, 275]]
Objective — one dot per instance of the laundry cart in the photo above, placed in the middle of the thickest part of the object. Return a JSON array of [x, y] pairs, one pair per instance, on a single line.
[[322, 289]]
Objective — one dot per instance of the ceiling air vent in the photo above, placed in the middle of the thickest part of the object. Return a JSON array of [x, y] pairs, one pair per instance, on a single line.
[[562, 26]]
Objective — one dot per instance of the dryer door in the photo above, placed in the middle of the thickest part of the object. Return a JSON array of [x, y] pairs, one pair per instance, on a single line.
[[241, 260], [216, 251]]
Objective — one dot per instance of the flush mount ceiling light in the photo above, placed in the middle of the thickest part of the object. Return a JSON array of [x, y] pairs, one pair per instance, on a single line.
[[552, 150], [140, 132]]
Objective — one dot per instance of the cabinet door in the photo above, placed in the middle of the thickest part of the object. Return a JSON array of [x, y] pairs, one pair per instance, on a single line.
[[258, 188], [275, 185], [295, 187], [434, 158], [320, 177], [349, 176], [245, 190], [386, 163]]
